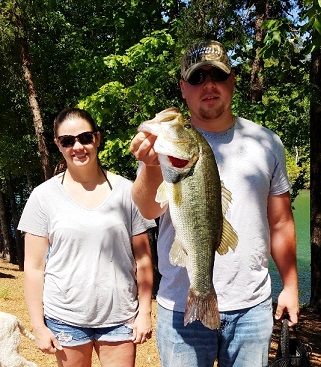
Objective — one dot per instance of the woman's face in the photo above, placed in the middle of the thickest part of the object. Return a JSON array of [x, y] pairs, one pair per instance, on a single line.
[[79, 154]]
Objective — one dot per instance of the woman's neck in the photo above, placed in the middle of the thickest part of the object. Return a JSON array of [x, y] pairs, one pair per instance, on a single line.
[[87, 178]]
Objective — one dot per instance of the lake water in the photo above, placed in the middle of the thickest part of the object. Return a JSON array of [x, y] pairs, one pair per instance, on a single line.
[[301, 214]]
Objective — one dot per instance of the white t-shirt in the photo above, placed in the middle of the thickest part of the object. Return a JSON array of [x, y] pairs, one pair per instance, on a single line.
[[90, 275], [251, 163]]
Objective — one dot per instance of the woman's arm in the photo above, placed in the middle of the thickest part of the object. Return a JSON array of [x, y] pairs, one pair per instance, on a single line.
[[141, 248], [36, 249]]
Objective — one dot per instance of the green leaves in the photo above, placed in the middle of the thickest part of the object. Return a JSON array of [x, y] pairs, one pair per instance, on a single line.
[[120, 60], [279, 32], [311, 14], [140, 84]]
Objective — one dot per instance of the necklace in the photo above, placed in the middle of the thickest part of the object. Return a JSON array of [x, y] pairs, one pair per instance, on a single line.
[[220, 134], [103, 172]]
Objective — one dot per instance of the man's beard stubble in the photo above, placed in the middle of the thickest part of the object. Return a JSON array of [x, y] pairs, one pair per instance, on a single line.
[[211, 114]]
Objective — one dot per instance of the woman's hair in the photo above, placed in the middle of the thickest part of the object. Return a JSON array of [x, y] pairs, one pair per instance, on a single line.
[[72, 112], [65, 114]]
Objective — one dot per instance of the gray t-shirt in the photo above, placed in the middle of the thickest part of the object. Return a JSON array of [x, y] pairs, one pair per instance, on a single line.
[[90, 272], [251, 163]]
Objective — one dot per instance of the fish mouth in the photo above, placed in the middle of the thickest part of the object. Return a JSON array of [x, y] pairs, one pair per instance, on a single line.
[[176, 169], [177, 162]]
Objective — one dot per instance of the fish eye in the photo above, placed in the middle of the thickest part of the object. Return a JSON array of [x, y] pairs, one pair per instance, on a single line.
[[187, 126]]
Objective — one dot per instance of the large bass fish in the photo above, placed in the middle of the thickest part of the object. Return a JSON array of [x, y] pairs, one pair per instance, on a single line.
[[197, 203]]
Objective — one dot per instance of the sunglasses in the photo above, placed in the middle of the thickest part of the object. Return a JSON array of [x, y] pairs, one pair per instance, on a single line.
[[199, 76], [85, 138]]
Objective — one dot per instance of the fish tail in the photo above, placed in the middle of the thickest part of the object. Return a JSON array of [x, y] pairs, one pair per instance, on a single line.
[[203, 308]]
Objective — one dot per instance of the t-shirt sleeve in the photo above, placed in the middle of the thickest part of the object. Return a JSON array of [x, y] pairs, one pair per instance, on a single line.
[[280, 181], [139, 223], [34, 218]]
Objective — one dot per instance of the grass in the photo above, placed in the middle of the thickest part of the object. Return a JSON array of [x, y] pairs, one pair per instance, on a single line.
[[4, 293], [12, 301]]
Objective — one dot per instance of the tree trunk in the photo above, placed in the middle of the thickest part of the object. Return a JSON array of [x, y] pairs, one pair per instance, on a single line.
[[5, 253], [35, 109], [258, 64], [174, 11], [315, 195], [15, 221]]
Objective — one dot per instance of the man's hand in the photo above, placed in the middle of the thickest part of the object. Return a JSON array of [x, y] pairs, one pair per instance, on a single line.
[[288, 303], [142, 146]]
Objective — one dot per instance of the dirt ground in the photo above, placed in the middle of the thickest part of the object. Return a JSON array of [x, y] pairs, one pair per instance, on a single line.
[[12, 301]]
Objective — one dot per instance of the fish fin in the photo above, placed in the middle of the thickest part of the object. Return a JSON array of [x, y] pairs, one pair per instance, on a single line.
[[161, 195], [177, 193], [226, 198], [229, 238], [177, 254], [203, 308]]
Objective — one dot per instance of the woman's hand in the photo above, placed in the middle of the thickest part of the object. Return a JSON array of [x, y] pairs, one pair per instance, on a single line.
[[142, 330], [45, 340]]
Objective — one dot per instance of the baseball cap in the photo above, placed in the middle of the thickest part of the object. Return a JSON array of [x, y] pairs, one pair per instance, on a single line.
[[203, 53]]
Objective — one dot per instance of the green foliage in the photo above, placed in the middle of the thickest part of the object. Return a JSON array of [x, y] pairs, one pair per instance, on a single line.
[[220, 20], [285, 104], [120, 61], [68, 42], [311, 13], [277, 35], [116, 156], [143, 81]]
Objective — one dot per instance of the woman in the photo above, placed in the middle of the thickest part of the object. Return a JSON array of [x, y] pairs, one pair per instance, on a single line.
[[87, 256]]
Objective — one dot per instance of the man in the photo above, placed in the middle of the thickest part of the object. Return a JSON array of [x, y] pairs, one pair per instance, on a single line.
[[251, 163]]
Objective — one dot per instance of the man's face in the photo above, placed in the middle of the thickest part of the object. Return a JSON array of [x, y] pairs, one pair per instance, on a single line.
[[209, 100]]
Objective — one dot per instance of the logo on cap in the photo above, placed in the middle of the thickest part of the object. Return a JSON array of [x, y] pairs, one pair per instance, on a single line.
[[204, 53]]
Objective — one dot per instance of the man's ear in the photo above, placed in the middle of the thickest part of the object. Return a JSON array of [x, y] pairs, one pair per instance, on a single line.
[[182, 85]]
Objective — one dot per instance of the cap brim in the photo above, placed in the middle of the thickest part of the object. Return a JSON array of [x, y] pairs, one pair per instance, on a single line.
[[215, 64]]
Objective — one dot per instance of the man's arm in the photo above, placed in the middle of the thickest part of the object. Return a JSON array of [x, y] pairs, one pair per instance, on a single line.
[[283, 251], [149, 178]]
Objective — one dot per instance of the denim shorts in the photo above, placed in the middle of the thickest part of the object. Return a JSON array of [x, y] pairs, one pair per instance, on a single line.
[[72, 336], [243, 339]]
